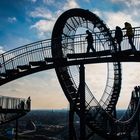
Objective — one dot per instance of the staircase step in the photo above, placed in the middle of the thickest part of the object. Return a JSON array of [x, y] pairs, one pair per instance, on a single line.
[[2, 74], [113, 99], [65, 75], [71, 89], [115, 94], [24, 67], [68, 82], [109, 108], [49, 59], [73, 95], [77, 98], [111, 104], [78, 105], [12, 71], [37, 63]]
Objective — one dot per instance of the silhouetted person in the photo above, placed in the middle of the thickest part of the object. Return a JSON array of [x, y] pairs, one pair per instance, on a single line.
[[89, 39], [118, 36], [28, 103], [136, 90], [132, 103], [129, 34], [22, 105], [139, 91]]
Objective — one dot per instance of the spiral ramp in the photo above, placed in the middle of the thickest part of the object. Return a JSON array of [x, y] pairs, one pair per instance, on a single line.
[[63, 33], [57, 53]]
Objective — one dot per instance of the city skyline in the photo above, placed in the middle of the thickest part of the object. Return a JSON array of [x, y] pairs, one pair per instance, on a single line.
[[27, 21]]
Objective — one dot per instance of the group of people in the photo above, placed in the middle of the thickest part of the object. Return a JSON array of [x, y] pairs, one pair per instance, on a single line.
[[129, 33], [28, 104], [118, 37]]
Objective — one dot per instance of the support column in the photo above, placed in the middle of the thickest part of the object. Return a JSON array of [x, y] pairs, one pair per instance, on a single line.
[[82, 103], [139, 126], [129, 136], [71, 120], [16, 136]]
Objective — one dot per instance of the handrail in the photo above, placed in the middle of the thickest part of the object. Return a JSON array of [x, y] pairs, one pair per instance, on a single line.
[[3, 56]]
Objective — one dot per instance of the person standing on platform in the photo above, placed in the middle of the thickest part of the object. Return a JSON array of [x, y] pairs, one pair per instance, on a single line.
[[129, 34], [89, 39], [28, 103], [118, 36], [22, 105]]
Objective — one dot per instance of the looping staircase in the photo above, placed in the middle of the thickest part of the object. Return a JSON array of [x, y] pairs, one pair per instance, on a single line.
[[55, 52], [99, 115]]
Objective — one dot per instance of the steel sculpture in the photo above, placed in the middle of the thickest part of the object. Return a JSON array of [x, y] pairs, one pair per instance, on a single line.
[[66, 52]]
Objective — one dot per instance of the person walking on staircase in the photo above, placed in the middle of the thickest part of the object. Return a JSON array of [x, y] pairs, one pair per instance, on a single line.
[[89, 39], [118, 36], [130, 35]]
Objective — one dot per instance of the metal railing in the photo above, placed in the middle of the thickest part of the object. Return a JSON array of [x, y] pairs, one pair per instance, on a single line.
[[13, 103], [23, 55], [75, 44]]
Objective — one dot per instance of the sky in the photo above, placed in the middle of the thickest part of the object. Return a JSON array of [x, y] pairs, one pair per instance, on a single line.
[[27, 21]]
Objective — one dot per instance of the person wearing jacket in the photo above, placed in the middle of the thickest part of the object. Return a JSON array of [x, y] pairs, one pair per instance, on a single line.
[[89, 39], [129, 34], [118, 36]]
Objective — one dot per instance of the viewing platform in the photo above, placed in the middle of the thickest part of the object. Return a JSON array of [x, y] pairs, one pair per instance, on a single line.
[[12, 108]]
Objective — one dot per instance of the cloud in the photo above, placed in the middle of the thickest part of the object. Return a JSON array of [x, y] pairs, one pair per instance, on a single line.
[[49, 2], [1, 49], [113, 19], [12, 19], [130, 7], [129, 3], [33, 1], [87, 1], [118, 18], [43, 27], [41, 13], [70, 4]]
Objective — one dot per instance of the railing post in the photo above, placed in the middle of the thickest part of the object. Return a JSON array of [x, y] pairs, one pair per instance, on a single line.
[[4, 63], [42, 51], [72, 133]]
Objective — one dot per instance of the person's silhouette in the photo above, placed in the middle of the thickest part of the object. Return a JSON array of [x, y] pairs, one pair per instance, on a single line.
[[89, 39], [129, 34], [118, 36]]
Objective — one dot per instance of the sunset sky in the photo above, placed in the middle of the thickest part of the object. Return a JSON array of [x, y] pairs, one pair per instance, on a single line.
[[27, 21]]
